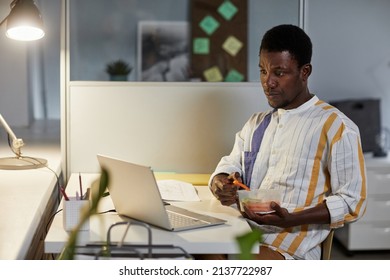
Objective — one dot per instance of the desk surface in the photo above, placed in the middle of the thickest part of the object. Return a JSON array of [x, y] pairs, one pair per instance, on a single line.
[[23, 199], [216, 239], [195, 179]]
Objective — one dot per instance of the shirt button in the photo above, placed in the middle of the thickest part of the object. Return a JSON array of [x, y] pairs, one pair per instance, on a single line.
[[280, 125]]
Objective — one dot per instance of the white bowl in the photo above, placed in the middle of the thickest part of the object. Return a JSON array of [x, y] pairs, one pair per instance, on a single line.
[[259, 201]]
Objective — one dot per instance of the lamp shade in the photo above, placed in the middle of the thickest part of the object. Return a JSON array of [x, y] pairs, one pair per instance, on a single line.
[[25, 22]]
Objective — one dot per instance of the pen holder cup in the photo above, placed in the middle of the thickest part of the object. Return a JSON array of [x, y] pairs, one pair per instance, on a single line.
[[73, 211]]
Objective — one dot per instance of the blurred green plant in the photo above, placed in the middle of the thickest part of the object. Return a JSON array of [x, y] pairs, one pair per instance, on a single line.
[[70, 248], [247, 241]]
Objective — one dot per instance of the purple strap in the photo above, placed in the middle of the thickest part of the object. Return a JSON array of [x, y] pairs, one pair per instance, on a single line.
[[250, 157]]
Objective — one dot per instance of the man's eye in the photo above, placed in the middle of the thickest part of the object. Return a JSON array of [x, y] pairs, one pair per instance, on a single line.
[[263, 72], [279, 73]]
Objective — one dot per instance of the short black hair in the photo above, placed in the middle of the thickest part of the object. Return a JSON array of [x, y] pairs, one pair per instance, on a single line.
[[291, 38]]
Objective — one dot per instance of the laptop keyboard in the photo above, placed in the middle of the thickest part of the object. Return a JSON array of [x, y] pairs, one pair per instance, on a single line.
[[178, 220]]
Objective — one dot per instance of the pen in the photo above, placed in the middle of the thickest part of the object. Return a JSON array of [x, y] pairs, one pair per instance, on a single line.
[[81, 186], [236, 182], [86, 195], [64, 193]]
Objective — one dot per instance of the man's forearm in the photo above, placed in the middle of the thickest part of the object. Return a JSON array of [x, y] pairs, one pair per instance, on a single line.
[[316, 215]]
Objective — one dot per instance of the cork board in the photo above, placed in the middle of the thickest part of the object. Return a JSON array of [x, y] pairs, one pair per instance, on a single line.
[[219, 40]]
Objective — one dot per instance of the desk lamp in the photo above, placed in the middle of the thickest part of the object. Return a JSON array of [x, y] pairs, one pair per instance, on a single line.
[[24, 23], [18, 162]]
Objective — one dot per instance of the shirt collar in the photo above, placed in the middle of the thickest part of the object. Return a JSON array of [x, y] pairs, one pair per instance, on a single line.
[[311, 102]]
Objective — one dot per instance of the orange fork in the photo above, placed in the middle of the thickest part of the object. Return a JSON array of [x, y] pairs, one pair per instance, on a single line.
[[236, 182]]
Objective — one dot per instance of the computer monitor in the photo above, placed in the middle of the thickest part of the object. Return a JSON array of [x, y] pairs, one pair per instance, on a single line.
[[365, 113]]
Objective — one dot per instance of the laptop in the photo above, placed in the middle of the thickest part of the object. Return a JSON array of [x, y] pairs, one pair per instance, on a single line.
[[135, 194]]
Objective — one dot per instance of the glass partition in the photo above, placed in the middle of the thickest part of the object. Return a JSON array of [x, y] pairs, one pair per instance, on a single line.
[[104, 31]]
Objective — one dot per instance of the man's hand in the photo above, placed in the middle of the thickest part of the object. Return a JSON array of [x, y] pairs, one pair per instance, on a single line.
[[281, 217], [318, 214], [223, 188]]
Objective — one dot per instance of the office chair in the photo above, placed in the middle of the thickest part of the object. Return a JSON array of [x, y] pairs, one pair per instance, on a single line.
[[326, 246]]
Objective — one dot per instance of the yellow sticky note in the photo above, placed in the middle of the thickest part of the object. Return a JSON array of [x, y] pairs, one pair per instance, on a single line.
[[213, 74], [232, 45]]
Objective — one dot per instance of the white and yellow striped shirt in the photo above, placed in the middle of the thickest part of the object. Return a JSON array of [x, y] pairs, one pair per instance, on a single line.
[[312, 153]]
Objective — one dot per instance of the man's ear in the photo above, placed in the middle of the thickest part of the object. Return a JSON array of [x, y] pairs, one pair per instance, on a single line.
[[306, 71]]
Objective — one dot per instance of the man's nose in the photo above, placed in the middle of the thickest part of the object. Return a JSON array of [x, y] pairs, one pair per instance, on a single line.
[[269, 82]]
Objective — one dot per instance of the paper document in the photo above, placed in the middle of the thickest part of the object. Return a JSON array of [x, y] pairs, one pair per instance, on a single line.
[[175, 190]]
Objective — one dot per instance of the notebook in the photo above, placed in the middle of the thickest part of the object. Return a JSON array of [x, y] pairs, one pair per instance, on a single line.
[[135, 194]]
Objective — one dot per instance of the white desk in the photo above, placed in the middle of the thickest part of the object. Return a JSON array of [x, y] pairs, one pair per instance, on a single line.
[[24, 197], [216, 239]]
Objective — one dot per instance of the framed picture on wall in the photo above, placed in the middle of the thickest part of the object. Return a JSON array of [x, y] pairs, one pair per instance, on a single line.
[[163, 51]]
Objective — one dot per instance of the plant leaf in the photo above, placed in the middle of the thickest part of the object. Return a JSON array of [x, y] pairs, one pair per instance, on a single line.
[[246, 243]]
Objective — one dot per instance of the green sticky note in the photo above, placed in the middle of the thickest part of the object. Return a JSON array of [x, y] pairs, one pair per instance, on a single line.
[[227, 10], [201, 46], [234, 76], [209, 24]]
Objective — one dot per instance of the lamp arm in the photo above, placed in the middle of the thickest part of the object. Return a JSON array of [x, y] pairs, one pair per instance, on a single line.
[[17, 143], [1, 23], [13, 3]]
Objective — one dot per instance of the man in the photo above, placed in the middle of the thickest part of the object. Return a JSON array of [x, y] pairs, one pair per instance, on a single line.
[[304, 147]]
